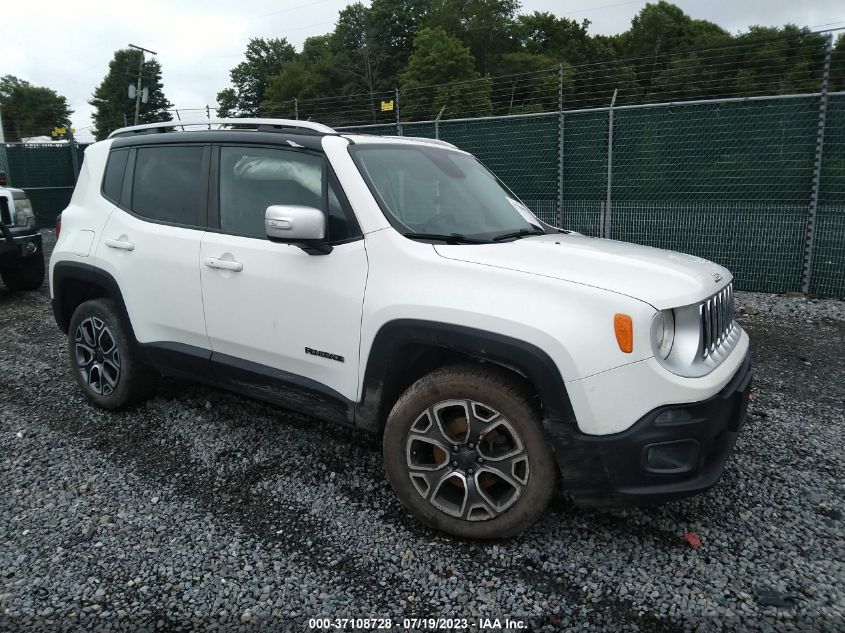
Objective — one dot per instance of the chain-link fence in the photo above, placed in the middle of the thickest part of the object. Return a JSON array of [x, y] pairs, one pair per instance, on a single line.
[[729, 180], [733, 153], [47, 172]]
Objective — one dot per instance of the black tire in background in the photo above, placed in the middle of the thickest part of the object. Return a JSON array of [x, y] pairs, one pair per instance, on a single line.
[[505, 397], [28, 275], [98, 338]]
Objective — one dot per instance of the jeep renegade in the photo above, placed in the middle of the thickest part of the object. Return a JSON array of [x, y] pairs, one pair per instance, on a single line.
[[396, 285]]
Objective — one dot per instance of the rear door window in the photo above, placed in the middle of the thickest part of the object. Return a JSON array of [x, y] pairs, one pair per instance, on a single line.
[[168, 184]]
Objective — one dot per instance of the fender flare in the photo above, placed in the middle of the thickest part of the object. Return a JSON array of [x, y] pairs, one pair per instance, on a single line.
[[526, 358], [92, 277]]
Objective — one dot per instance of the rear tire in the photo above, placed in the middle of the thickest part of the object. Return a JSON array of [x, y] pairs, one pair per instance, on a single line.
[[102, 357], [28, 275], [466, 453]]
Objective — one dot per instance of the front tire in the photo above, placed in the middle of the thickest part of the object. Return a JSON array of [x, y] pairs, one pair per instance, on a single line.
[[28, 275], [466, 453], [103, 360]]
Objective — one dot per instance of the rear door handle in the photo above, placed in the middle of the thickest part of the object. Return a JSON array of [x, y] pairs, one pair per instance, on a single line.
[[123, 245], [225, 264]]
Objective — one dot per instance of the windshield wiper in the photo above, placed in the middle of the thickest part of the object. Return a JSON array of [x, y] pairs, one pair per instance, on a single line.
[[451, 238], [518, 234]]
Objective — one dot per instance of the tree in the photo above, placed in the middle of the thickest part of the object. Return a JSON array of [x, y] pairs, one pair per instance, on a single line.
[[441, 72], [353, 39], [484, 26], [113, 108], [660, 35], [315, 73], [562, 39], [525, 82], [837, 65], [778, 61], [29, 110], [392, 26], [264, 58]]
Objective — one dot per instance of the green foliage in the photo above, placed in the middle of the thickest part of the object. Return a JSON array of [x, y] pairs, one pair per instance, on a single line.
[[779, 61], [837, 65], [560, 39], [112, 106], [441, 72], [521, 84], [484, 26], [477, 47], [29, 110], [264, 59]]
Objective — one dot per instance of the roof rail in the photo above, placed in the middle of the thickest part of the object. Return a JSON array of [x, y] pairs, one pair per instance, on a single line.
[[163, 126], [424, 139]]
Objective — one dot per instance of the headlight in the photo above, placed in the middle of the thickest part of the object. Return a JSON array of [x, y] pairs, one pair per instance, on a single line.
[[23, 211], [664, 332]]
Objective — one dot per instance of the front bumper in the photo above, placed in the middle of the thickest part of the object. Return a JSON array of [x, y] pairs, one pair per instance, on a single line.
[[17, 246], [671, 452]]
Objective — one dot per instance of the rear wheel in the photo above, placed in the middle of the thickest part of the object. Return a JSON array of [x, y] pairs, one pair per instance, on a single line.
[[466, 453], [102, 358], [28, 275]]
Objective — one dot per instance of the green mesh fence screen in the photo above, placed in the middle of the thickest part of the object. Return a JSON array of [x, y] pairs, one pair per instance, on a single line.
[[729, 180], [828, 270], [45, 172], [522, 152]]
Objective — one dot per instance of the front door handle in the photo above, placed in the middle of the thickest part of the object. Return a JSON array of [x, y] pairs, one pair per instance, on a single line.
[[124, 245], [225, 264]]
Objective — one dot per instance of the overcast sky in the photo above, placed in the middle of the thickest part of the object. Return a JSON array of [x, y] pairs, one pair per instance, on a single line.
[[67, 47]]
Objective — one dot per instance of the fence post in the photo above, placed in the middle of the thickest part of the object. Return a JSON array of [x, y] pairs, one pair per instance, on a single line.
[[607, 213], [437, 123], [810, 235], [396, 105], [560, 148], [296, 108], [74, 159]]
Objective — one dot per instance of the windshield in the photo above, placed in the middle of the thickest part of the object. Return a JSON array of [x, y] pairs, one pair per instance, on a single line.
[[437, 191]]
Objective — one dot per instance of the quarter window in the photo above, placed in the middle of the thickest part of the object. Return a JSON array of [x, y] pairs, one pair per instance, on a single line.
[[113, 178], [167, 184]]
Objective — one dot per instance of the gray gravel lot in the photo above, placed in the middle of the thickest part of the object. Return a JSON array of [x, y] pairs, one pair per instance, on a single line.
[[207, 511]]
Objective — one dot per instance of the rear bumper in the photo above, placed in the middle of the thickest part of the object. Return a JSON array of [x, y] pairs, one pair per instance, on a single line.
[[671, 452], [17, 247]]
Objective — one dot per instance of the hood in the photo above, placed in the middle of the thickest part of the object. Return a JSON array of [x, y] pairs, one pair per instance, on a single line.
[[664, 279]]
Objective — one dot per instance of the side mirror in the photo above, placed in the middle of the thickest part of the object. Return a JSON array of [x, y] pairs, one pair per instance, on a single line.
[[302, 226]]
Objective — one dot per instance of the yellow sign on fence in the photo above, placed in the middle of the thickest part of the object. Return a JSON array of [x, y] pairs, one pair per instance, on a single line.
[[387, 106]]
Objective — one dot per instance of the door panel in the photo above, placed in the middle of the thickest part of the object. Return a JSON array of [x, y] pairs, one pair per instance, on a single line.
[[157, 267], [265, 302], [151, 242], [281, 302]]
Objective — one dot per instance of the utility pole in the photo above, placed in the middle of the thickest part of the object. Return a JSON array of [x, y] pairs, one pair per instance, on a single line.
[[138, 84]]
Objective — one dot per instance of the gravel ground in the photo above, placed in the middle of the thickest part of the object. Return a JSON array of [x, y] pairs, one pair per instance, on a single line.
[[207, 511]]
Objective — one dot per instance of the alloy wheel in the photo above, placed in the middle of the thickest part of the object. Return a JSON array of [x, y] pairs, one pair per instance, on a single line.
[[97, 356], [466, 459]]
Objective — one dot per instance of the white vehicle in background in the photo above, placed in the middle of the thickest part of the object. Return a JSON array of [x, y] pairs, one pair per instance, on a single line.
[[21, 253], [394, 284]]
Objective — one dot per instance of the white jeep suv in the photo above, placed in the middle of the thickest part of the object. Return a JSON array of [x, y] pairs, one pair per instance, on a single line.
[[395, 285]]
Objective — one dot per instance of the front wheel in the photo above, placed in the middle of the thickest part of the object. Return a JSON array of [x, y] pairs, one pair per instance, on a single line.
[[465, 452], [102, 358]]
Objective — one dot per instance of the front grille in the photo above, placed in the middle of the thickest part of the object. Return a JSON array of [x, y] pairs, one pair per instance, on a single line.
[[717, 320], [5, 213]]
